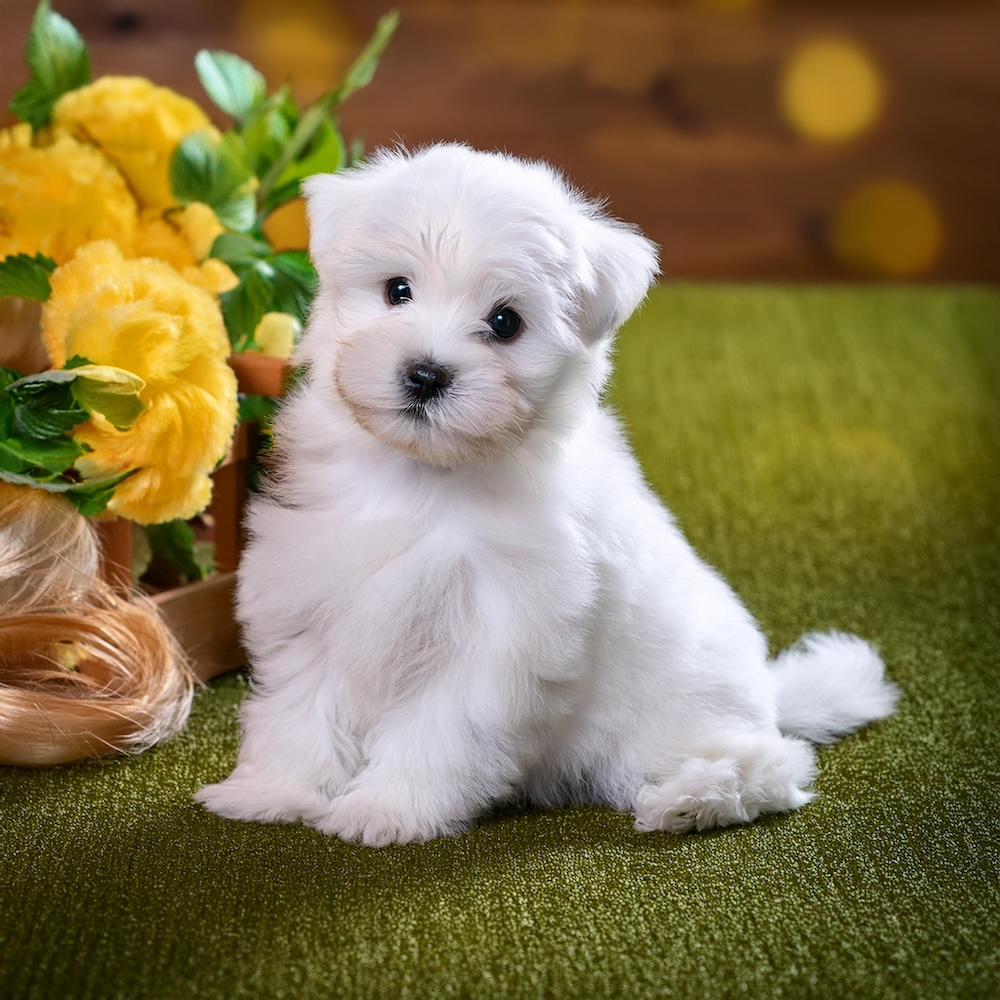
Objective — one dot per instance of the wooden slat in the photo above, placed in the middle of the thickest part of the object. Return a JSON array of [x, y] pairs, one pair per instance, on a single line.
[[229, 492], [115, 536], [201, 617]]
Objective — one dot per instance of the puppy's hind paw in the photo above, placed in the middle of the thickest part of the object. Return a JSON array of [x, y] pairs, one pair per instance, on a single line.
[[251, 797], [703, 795], [757, 776]]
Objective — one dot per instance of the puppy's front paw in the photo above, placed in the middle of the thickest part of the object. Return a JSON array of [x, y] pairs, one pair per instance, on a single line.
[[250, 796], [372, 819]]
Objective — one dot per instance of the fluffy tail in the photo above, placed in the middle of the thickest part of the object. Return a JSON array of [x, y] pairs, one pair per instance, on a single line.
[[829, 685]]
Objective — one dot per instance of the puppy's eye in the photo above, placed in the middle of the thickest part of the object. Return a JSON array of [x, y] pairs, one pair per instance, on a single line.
[[504, 322], [397, 291]]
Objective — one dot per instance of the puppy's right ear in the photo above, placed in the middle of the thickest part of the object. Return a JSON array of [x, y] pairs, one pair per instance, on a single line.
[[328, 197]]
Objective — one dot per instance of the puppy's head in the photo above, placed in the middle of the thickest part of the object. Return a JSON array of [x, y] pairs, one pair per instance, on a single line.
[[466, 299]]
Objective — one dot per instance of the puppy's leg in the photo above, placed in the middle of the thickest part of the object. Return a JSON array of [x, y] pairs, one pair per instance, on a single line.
[[733, 778], [432, 768], [294, 757]]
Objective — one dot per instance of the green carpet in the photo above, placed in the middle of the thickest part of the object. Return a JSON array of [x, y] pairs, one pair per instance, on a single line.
[[835, 452]]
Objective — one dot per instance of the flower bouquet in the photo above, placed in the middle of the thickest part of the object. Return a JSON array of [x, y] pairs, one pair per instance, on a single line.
[[136, 281]]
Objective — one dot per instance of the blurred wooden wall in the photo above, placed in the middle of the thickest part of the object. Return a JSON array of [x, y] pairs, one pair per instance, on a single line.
[[671, 110]]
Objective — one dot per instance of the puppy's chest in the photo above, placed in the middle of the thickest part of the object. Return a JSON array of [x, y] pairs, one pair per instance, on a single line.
[[453, 574]]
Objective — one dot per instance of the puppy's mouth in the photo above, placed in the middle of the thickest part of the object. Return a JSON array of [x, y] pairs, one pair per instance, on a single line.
[[442, 414]]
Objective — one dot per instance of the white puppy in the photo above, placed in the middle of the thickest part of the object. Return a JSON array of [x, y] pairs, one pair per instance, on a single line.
[[459, 590]]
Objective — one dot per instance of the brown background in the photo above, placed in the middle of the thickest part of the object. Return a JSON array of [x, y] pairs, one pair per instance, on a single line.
[[671, 110]]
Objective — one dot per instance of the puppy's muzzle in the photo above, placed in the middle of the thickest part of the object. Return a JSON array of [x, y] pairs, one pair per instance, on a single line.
[[424, 380]]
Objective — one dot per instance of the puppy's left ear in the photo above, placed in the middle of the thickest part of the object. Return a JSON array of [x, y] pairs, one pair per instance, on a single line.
[[620, 267]]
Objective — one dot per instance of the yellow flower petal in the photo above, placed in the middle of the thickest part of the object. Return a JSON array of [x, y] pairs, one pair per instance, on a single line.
[[200, 226], [55, 198], [137, 124], [159, 236], [142, 316], [183, 238], [213, 275]]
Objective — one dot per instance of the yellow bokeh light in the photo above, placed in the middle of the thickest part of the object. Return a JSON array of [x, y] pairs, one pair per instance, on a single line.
[[887, 227], [308, 43], [831, 90]]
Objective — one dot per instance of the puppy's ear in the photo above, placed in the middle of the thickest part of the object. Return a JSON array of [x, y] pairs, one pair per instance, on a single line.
[[328, 199], [621, 266]]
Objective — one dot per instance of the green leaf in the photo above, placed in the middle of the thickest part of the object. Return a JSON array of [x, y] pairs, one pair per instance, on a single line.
[[268, 128], [243, 306], [32, 439], [46, 420], [326, 155], [22, 453], [281, 282], [307, 127], [26, 276], [259, 409], [6, 403], [51, 376], [55, 455], [359, 75], [90, 497], [231, 82], [363, 68], [216, 172], [174, 540], [266, 134], [295, 283], [44, 405], [238, 250], [112, 392], [58, 61], [52, 402], [32, 104]]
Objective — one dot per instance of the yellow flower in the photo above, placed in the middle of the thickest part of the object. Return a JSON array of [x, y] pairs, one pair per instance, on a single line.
[[183, 237], [159, 237], [54, 198], [142, 316], [200, 226], [276, 334], [215, 276], [57, 197], [180, 236], [137, 124]]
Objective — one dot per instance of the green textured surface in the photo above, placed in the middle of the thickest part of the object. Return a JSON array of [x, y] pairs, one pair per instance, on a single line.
[[835, 454]]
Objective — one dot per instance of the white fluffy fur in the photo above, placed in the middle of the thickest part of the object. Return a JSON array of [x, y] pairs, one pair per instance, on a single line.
[[483, 601]]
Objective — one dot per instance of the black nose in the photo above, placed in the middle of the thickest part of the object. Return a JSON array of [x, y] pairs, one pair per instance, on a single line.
[[424, 380]]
